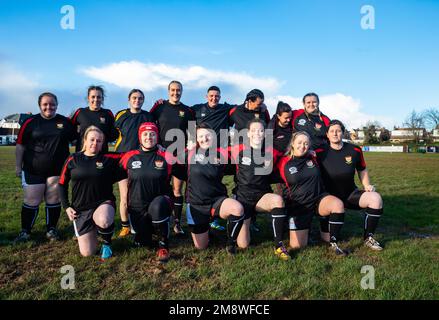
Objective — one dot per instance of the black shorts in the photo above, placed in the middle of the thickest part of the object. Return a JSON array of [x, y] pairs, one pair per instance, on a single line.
[[300, 216], [84, 223], [353, 201], [249, 206], [31, 179], [200, 216]]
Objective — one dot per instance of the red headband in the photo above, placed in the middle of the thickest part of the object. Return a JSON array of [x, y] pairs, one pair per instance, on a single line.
[[148, 126]]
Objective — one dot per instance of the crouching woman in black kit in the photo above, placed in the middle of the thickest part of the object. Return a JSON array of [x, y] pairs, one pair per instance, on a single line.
[[149, 173], [92, 208], [206, 196]]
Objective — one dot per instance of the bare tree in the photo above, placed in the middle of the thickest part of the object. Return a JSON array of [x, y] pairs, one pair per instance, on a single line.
[[415, 121], [431, 117]]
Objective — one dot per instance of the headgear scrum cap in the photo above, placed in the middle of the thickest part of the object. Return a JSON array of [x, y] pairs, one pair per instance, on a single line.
[[148, 126]]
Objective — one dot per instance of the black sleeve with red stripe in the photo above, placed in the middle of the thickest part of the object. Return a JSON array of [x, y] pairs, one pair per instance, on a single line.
[[63, 184], [361, 164], [23, 134]]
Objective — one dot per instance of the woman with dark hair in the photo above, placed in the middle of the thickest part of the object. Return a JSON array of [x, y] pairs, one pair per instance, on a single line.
[[239, 117], [206, 195], [253, 107], [254, 163], [312, 121], [149, 205], [281, 126], [305, 196], [338, 162], [95, 115], [92, 207], [127, 123], [42, 147]]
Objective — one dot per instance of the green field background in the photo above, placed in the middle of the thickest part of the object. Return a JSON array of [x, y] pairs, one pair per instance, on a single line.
[[408, 268]]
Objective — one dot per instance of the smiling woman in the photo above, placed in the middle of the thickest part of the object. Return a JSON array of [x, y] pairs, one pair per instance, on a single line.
[[42, 147]]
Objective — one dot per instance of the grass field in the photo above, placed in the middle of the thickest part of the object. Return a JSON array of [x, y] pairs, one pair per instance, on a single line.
[[408, 268]]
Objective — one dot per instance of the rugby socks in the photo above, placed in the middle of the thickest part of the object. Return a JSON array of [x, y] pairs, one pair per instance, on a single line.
[[53, 211], [106, 233], [125, 224], [324, 224], [336, 221], [178, 208], [234, 224], [162, 229], [279, 218], [371, 218], [28, 216]]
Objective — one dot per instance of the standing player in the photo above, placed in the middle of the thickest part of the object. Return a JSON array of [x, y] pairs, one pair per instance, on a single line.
[[305, 196], [281, 126], [254, 165], [206, 194], [127, 124], [252, 108], [338, 163], [216, 116], [95, 115], [312, 121], [92, 207], [42, 147], [149, 175], [172, 114]]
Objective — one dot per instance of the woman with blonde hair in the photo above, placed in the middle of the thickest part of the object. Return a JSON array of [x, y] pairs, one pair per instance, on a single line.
[[305, 196], [92, 207]]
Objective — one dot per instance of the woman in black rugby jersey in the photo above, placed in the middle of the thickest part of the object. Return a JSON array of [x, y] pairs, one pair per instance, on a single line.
[[338, 162], [206, 195], [92, 174], [305, 196], [127, 123], [95, 115], [149, 205], [42, 147]]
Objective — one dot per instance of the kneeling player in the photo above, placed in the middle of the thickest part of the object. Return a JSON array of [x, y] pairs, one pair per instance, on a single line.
[[206, 194], [149, 189], [305, 197], [339, 162], [92, 209]]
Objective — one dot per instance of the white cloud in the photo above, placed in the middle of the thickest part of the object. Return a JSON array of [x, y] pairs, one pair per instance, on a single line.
[[336, 106], [18, 92], [150, 77]]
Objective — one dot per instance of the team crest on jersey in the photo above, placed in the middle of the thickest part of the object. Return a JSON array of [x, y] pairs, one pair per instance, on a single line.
[[99, 165], [280, 137], [159, 164], [310, 164], [348, 159], [60, 125], [246, 161], [257, 115], [302, 122], [136, 164], [292, 170], [102, 120], [318, 126], [181, 114]]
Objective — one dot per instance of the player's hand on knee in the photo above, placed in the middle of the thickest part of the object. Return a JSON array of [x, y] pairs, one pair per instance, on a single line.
[[71, 213]]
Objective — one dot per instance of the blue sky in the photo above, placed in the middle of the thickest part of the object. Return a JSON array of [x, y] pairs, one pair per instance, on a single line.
[[286, 48]]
